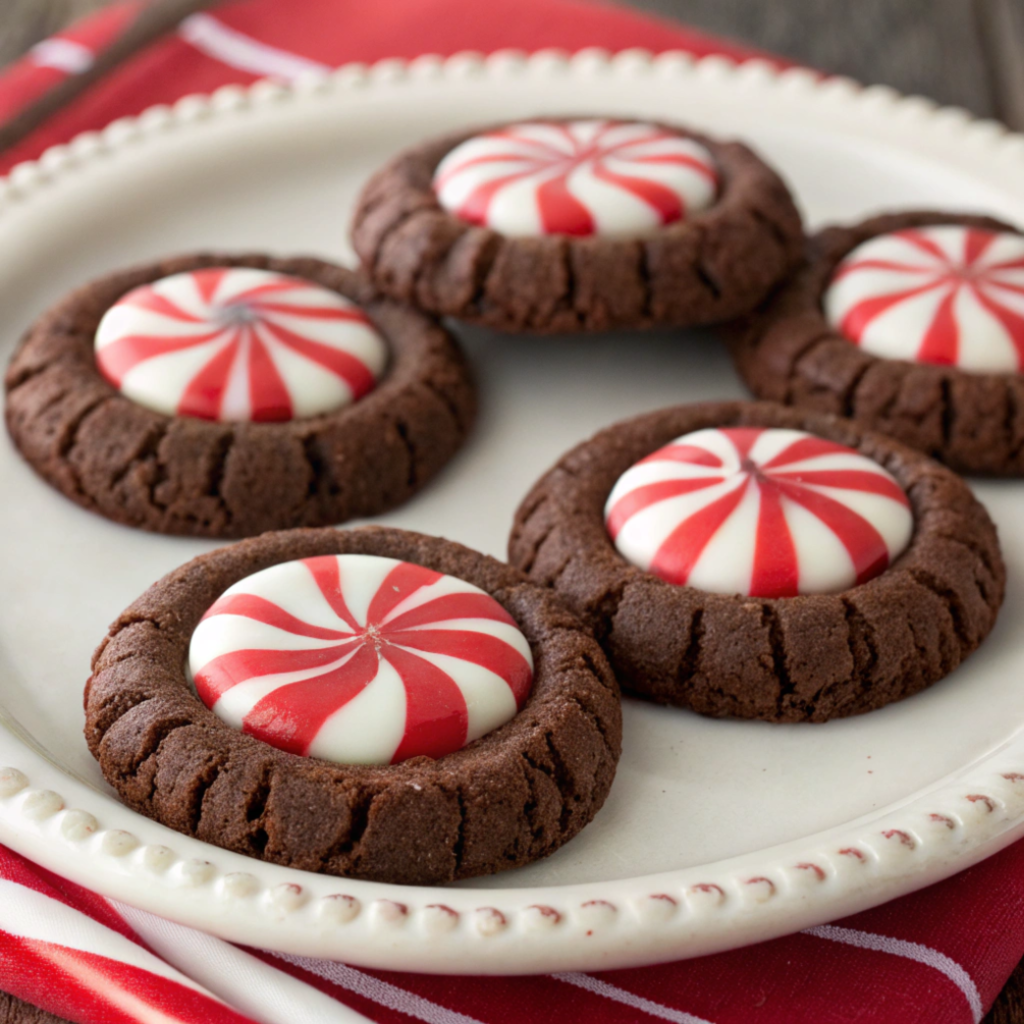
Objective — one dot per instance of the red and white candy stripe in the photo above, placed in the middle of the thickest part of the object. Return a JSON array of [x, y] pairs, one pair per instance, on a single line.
[[66, 950], [135, 968], [610, 178], [360, 659], [763, 512], [948, 295], [237, 344]]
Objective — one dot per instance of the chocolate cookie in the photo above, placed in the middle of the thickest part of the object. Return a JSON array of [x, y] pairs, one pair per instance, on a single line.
[[918, 333], [570, 225], [511, 796], [901, 622], [17, 1011], [206, 395]]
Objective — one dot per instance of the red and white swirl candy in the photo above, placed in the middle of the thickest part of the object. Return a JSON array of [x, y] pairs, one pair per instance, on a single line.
[[237, 344], [360, 659], [762, 512], [948, 295], [620, 179]]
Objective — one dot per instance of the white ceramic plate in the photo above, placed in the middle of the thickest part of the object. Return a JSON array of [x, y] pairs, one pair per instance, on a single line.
[[716, 833]]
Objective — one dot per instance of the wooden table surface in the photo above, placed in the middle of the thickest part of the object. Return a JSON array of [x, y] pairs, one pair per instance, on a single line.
[[969, 53]]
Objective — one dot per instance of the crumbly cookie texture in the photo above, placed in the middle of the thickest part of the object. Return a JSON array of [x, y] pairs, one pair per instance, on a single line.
[[17, 1011], [185, 475], [509, 798], [788, 352], [713, 266], [806, 658]]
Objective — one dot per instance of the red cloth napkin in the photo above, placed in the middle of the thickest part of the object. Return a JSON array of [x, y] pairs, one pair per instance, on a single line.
[[241, 42], [939, 956]]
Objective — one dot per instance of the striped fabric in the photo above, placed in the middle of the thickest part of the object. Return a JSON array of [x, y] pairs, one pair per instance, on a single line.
[[936, 957], [241, 42]]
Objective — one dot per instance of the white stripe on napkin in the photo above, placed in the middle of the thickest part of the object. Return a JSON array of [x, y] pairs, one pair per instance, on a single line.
[[221, 42], [911, 951], [62, 54], [627, 998], [382, 992]]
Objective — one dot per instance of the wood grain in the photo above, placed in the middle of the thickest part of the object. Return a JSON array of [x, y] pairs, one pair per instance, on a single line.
[[1009, 1005], [931, 47], [155, 19], [1002, 37], [24, 22], [955, 51]]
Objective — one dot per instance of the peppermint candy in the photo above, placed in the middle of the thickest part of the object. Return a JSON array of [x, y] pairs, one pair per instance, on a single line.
[[948, 295], [237, 344], [761, 512], [360, 659], [610, 178]]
